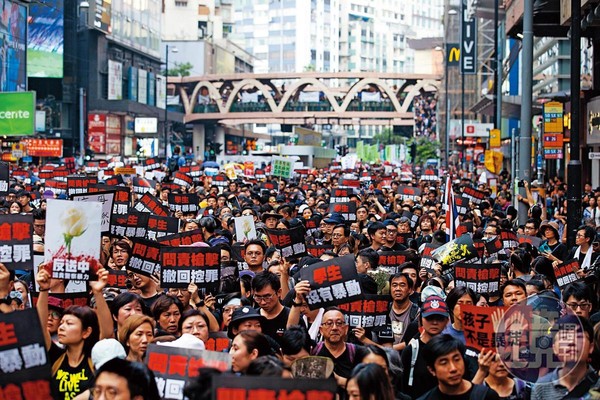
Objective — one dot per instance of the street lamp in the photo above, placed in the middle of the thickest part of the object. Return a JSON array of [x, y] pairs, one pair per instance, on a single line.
[[166, 125]]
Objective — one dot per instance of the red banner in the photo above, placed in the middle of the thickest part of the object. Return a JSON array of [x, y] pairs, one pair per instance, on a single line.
[[97, 132], [44, 147]]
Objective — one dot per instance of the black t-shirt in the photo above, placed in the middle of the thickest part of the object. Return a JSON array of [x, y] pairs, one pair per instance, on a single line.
[[67, 382], [150, 300], [276, 326], [344, 364], [481, 393]]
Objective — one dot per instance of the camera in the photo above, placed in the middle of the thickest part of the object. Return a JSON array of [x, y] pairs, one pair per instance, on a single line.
[[521, 183]]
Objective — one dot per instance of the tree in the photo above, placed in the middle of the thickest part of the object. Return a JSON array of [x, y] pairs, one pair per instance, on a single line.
[[180, 69], [426, 149]]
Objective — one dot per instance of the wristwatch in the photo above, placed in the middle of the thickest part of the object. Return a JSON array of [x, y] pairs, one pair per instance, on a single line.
[[200, 304]]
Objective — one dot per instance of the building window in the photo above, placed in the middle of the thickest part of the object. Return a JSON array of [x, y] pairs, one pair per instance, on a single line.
[[181, 3]]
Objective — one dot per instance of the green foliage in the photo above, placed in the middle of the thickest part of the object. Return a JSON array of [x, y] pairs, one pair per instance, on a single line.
[[426, 149], [180, 69], [387, 137]]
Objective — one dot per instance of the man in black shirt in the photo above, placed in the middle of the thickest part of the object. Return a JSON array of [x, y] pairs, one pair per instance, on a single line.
[[266, 287]]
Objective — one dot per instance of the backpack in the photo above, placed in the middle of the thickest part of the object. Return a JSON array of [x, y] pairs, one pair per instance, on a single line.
[[349, 346], [173, 163]]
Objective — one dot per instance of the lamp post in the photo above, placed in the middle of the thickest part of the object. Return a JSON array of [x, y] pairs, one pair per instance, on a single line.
[[166, 125], [82, 9]]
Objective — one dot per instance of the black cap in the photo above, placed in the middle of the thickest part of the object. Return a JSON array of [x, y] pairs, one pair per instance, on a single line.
[[243, 314]]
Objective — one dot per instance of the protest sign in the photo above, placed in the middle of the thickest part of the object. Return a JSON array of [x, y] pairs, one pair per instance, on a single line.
[[475, 196], [272, 185], [509, 239], [479, 245], [403, 238], [289, 241], [122, 197], [174, 366], [482, 278], [409, 193], [56, 187], [465, 227], [217, 341], [371, 312], [78, 289], [182, 265], [148, 203], [312, 224], [220, 180], [151, 164], [566, 272], [182, 239], [413, 218], [78, 184], [4, 178], [104, 198], [429, 249], [332, 282], [237, 255], [117, 279], [478, 327], [181, 179], [186, 203], [532, 240], [462, 204], [142, 185], [16, 241], [430, 174], [313, 367], [244, 228], [159, 226], [25, 365], [391, 260], [428, 263], [349, 183], [340, 195], [72, 241], [258, 387], [116, 180], [145, 258], [347, 210], [494, 246], [317, 250], [456, 250], [132, 225], [195, 171], [282, 167], [259, 174]]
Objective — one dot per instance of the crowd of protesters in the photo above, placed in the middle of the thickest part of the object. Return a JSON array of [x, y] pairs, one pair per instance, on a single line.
[[425, 107], [263, 307]]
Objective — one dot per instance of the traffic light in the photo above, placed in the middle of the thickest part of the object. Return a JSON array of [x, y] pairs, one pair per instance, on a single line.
[[218, 148]]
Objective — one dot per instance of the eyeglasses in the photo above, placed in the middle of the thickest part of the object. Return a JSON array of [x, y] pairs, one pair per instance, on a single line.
[[245, 215], [266, 297], [178, 291], [579, 235], [54, 314], [392, 232], [337, 235], [109, 392], [329, 324], [583, 306]]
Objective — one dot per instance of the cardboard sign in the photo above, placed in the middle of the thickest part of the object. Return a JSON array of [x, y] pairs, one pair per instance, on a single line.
[[269, 185], [125, 171], [132, 225], [159, 226], [244, 228], [142, 185], [148, 203], [145, 258], [220, 180], [371, 312], [349, 183], [413, 218], [217, 341], [332, 282], [312, 224], [78, 184], [186, 203], [465, 227], [117, 279], [72, 241], [290, 241], [4, 178], [566, 272], [347, 210], [195, 171], [462, 204], [122, 198], [479, 247], [509, 239], [475, 196], [409, 193], [317, 250], [182, 239], [151, 164], [478, 327], [390, 260], [532, 240], [482, 278], [430, 174], [116, 180], [259, 174], [26, 366], [258, 387], [282, 167], [176, 366], [428, 263], [494, 246], [182, 265], [313, 367], [104, 198], [182, 179], [341, 195], [16, 241], [56, 187], [403, 238]]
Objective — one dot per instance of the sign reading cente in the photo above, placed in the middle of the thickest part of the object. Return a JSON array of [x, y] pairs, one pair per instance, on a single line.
[[17, 113]]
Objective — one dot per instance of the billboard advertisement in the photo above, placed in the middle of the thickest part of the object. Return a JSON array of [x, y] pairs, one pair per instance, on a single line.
[[142, 86], [13, 42], [46, 39], [99, 15], [113, 134], [17, 113], [115, 80], [97, 133]]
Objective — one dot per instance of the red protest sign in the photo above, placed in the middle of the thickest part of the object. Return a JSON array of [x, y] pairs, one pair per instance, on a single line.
[[150, 204], [566, 272], [478, 326], [291, 242], [371, 312], [482, 278], [182, 239], [391, 260], [16, 241], [145, 258], [182, 265]]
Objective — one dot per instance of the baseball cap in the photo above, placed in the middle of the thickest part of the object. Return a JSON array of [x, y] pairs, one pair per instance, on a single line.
[[434, 305], [105, 350]]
